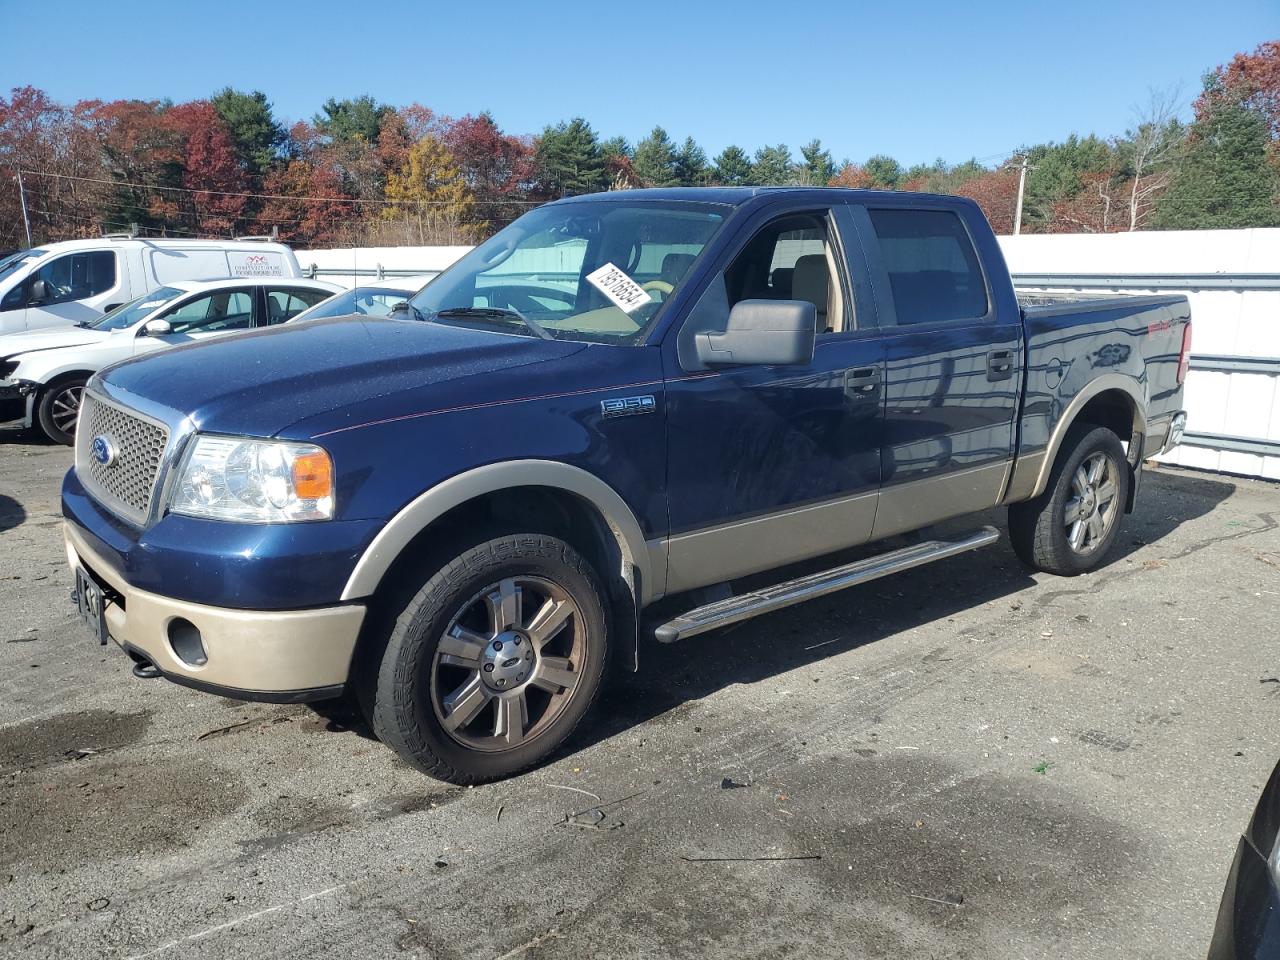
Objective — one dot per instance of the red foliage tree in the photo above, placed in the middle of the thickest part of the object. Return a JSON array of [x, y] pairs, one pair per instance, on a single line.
[[213, 175], [997, 194], [851, 175]]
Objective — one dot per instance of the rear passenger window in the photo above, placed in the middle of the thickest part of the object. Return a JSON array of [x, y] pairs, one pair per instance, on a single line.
[[284, 305], [932, 266]]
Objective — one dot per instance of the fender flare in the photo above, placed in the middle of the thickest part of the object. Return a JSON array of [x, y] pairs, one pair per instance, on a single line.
[[1111, 381], [457, 490]]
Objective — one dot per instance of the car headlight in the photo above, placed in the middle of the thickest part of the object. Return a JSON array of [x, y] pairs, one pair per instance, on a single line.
[[263, 481]]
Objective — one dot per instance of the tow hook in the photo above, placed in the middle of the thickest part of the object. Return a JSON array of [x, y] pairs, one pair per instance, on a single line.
[[145, 670]]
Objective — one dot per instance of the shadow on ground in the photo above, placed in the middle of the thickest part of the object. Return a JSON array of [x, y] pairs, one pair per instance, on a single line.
[[12, 513]]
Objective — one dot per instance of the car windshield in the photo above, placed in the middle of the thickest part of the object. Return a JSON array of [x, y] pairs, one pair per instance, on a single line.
[[127, 314], [367, 301], [16, 260], [597, 270]]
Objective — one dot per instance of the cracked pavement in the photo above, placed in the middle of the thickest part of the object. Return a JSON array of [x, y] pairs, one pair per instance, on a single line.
[[965, 760]]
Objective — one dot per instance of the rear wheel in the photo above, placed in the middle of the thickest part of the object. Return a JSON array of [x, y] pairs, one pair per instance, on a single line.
[[1070, 527], [494, 661], [58, 408]]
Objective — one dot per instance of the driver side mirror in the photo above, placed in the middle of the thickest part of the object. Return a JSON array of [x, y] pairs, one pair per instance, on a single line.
[[763, 332], [157, 328], [38, 293]]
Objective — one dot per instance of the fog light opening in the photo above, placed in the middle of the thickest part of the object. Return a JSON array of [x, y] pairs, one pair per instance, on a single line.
[[186, 643]]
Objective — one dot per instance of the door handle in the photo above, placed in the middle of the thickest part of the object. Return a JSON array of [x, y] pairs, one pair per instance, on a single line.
[[1000, 365], [862, 382]]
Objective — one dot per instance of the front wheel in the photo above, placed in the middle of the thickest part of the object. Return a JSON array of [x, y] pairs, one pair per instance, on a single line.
[[494, 661], [1069, 528], [58, 409]]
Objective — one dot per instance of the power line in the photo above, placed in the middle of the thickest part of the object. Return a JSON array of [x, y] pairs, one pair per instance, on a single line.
[[271, 196]]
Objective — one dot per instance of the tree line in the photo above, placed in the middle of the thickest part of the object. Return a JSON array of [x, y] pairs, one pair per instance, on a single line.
[[361, 172]]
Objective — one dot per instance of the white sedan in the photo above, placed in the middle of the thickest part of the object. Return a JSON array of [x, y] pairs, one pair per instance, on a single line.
[[43, 372]]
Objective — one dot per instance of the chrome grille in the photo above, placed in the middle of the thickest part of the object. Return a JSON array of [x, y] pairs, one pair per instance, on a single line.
[[127, 483]]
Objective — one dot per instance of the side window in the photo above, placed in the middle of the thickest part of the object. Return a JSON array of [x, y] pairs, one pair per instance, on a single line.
[[792, 258], [76, 276], [284, 305], [224, 310], [933, 269]]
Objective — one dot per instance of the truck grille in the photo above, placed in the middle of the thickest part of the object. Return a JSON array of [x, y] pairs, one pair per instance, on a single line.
[[127, 483]]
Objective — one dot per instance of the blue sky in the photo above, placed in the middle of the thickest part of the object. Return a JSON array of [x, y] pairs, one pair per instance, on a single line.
[[916, 80]]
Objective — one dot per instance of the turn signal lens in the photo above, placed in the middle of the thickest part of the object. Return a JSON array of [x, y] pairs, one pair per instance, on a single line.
[[313, 476]]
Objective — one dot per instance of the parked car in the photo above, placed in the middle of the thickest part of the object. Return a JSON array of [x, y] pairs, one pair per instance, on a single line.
[[43, 372], [1248, 926], [62, 284], [458, 523], [372, 301]]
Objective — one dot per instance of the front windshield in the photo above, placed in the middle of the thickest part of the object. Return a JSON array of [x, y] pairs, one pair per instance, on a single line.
[[16, 260], [127, 314], [366, 301], [597, 270]]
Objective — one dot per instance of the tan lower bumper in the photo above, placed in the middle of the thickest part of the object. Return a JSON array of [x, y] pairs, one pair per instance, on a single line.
[[250, 651]]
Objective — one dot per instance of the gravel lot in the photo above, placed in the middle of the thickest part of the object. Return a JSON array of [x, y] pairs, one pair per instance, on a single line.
[[960, 761]]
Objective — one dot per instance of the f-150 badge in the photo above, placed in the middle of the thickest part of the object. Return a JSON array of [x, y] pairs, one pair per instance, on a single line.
[[627, 406]]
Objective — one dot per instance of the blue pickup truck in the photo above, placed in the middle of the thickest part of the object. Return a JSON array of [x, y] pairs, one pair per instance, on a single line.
[[456, 516]]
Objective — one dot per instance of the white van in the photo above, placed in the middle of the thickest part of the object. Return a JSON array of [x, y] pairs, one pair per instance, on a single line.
[[76, 281]]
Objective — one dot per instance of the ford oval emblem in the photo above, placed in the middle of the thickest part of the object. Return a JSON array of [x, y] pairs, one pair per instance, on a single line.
[[104, 451]]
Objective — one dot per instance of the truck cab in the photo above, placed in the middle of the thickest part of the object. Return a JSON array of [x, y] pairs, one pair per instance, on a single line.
[[455, 517]]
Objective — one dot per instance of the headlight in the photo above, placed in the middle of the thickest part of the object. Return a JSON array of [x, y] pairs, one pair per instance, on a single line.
[[263, 481]]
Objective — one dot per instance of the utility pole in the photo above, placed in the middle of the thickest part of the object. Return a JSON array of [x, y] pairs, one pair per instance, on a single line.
[[1022, 186], [22, 198]]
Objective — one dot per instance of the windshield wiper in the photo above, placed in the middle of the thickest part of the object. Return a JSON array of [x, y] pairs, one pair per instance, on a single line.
[[494, 313], [404, 306]]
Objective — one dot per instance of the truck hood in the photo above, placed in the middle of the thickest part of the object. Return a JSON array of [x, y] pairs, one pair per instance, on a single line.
[[13, 344], [261, 382]]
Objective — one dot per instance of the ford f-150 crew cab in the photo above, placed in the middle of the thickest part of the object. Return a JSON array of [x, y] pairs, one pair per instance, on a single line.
[[457, 515]]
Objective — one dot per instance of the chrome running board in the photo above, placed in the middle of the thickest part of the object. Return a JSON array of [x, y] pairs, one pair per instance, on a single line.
[[748, 605]]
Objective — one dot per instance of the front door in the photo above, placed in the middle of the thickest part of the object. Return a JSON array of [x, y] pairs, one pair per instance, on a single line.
[[202, 317], [75, 288], [773, 464]]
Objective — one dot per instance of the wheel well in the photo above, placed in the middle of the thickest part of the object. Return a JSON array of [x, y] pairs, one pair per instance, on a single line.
[[531, 509], [63, 377], [1113, 409]]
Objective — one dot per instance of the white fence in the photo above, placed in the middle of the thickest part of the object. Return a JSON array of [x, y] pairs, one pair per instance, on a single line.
[[1232, 278]]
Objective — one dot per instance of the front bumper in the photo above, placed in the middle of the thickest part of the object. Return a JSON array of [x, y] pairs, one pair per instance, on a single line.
[[272, 655]]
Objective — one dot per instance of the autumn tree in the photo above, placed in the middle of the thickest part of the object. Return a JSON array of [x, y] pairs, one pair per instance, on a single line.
[[306, 204], [851, 175], [498, 169], [732, 167], [215, 184], [430, 196], [996, 193]]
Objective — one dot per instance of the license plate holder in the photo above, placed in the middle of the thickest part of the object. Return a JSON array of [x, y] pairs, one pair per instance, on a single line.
[[91, 602]]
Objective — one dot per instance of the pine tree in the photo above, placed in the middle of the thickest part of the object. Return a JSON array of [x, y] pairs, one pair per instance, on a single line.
[[732, 167], [655, 160], [818, 168], [691, 168], [569, 159], [1225, 180], [773, 167]]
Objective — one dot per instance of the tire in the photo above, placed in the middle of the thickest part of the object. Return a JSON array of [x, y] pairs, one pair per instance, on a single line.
[[58, 409], [1045, 536], [517, 620]]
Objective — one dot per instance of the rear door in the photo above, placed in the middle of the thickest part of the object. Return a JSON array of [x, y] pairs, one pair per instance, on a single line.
[[953, 365], [284, 303], [772, 464]]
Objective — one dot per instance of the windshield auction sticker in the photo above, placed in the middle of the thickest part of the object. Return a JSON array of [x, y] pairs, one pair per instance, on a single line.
[[618, 287]]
